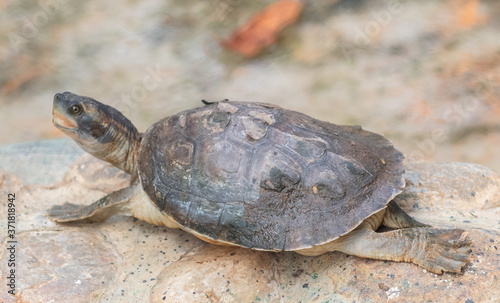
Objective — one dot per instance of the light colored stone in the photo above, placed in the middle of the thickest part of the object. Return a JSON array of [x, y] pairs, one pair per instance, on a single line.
[[218, 274]]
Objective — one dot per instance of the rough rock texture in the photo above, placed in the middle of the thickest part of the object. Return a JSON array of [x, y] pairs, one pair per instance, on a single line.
[[128, 260]]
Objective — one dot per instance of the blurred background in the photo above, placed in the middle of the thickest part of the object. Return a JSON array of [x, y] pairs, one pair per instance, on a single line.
[[423, 73]]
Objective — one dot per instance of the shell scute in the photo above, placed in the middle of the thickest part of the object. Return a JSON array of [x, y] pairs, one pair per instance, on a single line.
[[219, 173], [304, 144], [206, 122], [179, 152], [277, 170]]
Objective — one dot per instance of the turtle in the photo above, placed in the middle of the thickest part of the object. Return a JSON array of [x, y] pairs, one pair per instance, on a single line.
[[258, 176]]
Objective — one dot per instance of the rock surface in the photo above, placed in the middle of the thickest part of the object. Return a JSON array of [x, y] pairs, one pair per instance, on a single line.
[[127, 260]]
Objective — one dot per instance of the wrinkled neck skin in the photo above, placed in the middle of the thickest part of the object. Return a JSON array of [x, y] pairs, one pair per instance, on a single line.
[[119, 145]]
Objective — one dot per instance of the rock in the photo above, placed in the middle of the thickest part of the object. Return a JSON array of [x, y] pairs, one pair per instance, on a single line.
[[50, 158], [96, 174], [218, 274], [125, 259], [63, 265]]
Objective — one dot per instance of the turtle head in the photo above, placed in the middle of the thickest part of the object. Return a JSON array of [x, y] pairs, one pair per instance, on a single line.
[[99, 129], [84, 119]]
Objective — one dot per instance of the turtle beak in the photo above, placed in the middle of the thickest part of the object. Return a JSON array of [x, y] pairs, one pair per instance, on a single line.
[[60, 119], [61, 122]]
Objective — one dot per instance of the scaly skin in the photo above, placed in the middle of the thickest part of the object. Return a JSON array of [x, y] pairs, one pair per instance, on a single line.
[[437, 250]]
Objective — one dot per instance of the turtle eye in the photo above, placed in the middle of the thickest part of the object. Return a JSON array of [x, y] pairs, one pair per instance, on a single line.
[[75, 110]]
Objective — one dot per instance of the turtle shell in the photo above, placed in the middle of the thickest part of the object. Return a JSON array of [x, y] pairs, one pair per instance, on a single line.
[[264, 177]]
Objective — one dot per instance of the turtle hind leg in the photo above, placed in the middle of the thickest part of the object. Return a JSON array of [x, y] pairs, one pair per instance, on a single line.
[[395, 217], [437, 250], [112, 204]]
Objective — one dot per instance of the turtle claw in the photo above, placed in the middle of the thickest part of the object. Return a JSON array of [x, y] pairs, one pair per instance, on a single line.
[[443, 250]]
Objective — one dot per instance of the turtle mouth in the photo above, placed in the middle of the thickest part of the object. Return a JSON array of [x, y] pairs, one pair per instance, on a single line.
[[62, 122]]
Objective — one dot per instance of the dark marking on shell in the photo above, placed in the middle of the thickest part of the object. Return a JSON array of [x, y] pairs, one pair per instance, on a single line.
[[278, 180], [216, 121]]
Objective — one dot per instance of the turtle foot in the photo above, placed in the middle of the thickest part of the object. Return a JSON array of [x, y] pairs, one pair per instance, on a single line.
[[441, 250]]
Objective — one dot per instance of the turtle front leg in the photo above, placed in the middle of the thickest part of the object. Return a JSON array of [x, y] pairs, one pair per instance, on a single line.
[[115, 203], [437, 250]]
